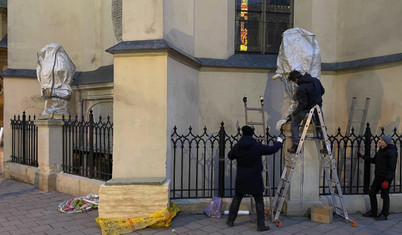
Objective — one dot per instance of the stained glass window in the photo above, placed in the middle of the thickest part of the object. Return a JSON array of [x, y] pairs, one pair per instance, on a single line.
[[260, 24]]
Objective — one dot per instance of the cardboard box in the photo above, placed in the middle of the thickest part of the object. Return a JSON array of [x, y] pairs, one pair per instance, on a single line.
[[322, 214]]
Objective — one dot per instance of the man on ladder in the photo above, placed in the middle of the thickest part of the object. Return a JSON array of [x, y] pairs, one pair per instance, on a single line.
[[308, 94]]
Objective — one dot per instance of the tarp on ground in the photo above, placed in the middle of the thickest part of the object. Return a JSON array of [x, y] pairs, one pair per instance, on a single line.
[[161, 219]]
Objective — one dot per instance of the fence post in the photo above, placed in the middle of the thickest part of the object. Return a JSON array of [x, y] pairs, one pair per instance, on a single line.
[[91, 145], [24, 128], [221, 174], [367, 153]]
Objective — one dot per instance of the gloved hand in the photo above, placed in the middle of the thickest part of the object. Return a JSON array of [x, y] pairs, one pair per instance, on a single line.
[[384, 185], [277, 76], [279, 139]]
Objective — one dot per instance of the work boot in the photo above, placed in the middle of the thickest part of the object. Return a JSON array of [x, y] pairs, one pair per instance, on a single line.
[[369, 214], [229, 223], [293, 149], [262, 228], [324, 149], [381, 217]]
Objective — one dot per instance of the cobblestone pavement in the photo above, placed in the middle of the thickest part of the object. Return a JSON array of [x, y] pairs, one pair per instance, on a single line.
[[27, 210]]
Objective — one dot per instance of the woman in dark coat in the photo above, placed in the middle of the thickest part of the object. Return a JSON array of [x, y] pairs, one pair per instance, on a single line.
[[248, 152]]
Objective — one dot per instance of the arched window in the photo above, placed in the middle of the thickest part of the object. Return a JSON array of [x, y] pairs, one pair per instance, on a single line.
[[260, 24]]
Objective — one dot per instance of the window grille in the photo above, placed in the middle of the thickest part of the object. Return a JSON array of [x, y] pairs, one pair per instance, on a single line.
[[260, 24]]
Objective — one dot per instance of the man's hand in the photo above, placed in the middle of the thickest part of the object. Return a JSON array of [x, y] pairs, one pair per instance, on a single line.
[[279, 139], [361, 155], [384, 185]]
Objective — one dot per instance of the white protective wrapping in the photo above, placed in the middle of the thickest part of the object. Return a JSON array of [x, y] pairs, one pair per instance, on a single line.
[[55, 73], [299, 51]]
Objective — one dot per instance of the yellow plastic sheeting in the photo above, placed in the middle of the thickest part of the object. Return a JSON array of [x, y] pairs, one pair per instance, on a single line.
[[160, 219]]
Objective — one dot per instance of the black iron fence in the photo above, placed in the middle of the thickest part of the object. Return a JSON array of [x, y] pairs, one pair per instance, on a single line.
[[88, 147], [200, 168], [24, 135], [355, 174]]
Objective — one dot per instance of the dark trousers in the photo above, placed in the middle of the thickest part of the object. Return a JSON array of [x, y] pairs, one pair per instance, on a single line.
[[298, 118], [295, 126], [374, 189], [259, 206]]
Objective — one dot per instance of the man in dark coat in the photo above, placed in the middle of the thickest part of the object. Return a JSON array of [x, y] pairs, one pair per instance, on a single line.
[[308, 94], [247, 152], [385, 164]]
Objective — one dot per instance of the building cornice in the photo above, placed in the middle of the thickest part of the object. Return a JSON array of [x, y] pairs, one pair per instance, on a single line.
[[104, 74], [249, 61], [362, 63], [151, 46]]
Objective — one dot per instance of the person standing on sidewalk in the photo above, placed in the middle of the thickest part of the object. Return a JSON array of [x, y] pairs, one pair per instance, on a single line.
[[308, 94], [248, 154], [385, 164]]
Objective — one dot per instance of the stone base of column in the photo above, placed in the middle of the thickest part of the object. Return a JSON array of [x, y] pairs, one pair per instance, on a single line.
[[133, 198], [300, 207], [46, 181]]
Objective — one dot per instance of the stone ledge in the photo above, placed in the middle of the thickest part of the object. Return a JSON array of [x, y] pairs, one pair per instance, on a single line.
[[49, 122], [137, 181]]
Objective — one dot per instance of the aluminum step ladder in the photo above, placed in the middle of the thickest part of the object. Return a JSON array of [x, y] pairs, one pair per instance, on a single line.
[[328, 163], [262, 139]]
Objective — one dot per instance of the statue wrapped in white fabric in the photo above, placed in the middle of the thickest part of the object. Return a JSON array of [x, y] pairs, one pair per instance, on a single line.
[[299, 51], [55, 73]]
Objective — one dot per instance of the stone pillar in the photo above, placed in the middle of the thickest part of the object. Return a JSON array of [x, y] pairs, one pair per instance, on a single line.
[[304, 185], [49, 153], [133, 198], [139, 186]]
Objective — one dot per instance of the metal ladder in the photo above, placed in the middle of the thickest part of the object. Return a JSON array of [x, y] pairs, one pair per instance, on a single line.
[[328, 163], [351, 120], [263, 139]]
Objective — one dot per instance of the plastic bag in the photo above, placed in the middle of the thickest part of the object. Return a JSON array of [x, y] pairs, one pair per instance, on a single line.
[[213, 209], [80, 204], [160, 219]]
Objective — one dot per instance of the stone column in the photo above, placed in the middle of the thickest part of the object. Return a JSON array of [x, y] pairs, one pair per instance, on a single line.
[[49, 153], [304, 185], [139, 186]]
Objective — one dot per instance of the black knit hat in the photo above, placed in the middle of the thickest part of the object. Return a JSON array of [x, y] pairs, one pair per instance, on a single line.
[[247, 131]]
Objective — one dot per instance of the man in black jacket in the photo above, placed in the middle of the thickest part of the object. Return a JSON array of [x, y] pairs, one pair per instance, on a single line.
[[247, 153], [385, 164], [308, 94]]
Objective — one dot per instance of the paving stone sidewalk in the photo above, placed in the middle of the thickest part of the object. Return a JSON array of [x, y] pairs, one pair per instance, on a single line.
[[27, 210]]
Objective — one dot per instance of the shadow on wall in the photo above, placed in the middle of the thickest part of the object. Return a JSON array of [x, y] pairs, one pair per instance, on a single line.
[[181, 41], [392, 125], [273, 102], [362, 86]]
